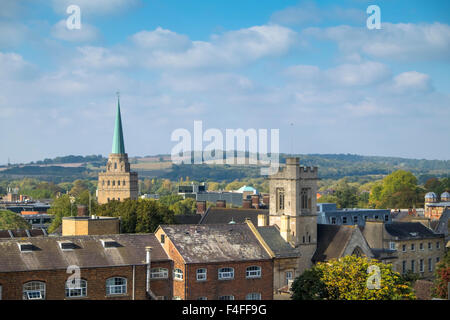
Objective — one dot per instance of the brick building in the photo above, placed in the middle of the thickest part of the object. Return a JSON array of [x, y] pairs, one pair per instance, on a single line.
[[217, 262], [111, 267]]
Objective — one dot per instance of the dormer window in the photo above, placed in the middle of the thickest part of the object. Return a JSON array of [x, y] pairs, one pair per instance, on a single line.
[[67, 245], [25, 247], [109, 243]]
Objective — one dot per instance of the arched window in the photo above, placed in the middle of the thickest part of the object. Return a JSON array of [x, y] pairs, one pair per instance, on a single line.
[[118, 182], [34, 290], [115, 165], [253, 296], [253, 272], [159, 273], [114, 183], [226, 273], [109, 182], [123, 182], [357, 252], [74, 291], [116, 285], [178, 274]]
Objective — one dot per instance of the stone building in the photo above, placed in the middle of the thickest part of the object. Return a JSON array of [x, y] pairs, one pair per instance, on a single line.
[[434, 208], [117, 182], [409, 246], [293, 208]]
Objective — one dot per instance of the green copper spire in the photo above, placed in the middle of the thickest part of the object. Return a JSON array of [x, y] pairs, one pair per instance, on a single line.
[[118, 145]]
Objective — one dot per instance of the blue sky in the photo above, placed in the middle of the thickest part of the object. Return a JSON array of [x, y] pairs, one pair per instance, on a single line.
[[232, 64]]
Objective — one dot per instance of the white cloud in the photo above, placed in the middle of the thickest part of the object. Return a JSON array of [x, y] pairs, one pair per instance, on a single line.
[[161, 39], [99, 57], [344, 75], [409, 42], [412, 81], [87, 32]]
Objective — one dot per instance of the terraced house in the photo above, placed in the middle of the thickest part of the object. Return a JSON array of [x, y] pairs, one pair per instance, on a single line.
[[217, 262], [109, 267]]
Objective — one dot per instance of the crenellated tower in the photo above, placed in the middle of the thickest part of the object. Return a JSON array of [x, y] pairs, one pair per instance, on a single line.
[[293, 207]]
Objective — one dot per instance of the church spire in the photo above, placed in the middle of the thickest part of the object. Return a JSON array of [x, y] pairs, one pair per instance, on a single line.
[[118, 145]]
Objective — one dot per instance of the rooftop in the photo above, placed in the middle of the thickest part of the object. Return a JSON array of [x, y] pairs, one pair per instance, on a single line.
[[89, 252], [224, 215], [276, 243], [215, 242], [410, 230]]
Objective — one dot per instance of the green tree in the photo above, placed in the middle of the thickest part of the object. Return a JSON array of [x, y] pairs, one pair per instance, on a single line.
[[397, 190], [442, 277], [186, 206], [347, 279], [11, 221], [309, 286]]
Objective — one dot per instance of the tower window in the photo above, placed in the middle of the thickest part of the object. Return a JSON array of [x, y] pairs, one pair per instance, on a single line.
[[118, 182], [123, 182], [113, 183], [280, 198], [304, 198], [115, 165], [109, 182]]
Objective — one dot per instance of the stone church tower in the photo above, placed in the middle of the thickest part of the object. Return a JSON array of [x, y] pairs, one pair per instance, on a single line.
[[118, 182], [293, 208]]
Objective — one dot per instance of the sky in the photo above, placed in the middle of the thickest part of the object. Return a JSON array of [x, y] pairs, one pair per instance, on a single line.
[[311, 69]]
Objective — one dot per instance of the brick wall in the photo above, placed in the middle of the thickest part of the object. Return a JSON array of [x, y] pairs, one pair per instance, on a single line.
[[12, 282], [239, 287]]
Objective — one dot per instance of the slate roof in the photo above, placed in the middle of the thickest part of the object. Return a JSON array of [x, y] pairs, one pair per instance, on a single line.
[[441, 225], [88, 253], [410, 230], [215, 215], [22, 233], [332, 241], [276, 243], [187, 218], [215, 242]]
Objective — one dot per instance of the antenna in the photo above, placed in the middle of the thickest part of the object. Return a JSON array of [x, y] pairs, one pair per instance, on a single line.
[[292, 139]]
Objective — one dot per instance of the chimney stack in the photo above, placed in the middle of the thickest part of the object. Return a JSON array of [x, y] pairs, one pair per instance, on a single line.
[[262, 220], [82, 210], [255, 201], [148, 251], [221, 204], [201, 207], [247, 203]]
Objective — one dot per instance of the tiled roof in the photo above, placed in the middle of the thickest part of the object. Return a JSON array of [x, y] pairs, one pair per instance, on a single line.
[[89, 252], [410, 230], [216, 215], [281, 248], [8, 234], [331, 241], [215, 242], [187, 218]]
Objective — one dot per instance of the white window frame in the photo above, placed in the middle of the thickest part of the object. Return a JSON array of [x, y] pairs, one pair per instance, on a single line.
[[159, 273], [430, 264], [289, 276], [253, 272], [421, 246], [421, 266], [413, 266], [77, 292], [178, 274], [403, 247], [227, 297], [413, 245], [35, 291], [438, 245], [201, 274], [392, 245], [253, 296], [118, 289], [226, 275]]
